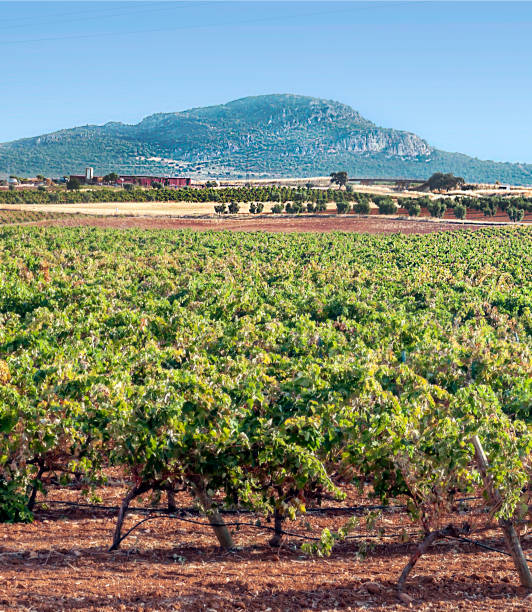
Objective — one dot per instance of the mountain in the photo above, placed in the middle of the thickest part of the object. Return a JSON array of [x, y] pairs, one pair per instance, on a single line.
[[274, 135]]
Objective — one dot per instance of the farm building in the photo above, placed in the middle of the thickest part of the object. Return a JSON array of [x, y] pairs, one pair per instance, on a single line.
[[130, 179], [146, 181]]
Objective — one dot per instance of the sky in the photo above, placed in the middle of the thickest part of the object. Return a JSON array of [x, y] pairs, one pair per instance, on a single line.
[[458, 74]]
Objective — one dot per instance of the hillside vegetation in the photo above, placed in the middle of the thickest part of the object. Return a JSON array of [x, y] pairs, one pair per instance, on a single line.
[[278, 135]]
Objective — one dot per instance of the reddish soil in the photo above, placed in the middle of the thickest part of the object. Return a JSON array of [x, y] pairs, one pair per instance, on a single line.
[[267, 223], [472, 215], [60, 562]]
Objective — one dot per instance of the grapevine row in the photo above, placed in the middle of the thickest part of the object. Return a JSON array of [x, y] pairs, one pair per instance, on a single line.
[[265, 371]]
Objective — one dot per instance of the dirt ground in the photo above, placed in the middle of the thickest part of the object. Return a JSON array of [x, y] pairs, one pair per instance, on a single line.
[[121, 208], [61, 562], [319, 223]]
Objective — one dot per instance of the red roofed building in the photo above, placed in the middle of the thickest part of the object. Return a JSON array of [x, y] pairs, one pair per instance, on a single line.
[[141, 181], [146, 181]]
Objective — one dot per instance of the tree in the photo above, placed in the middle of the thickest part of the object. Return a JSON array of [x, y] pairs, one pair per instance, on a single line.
[[437, 208], [342, 207], [515, 214], [256, 208], [339, 178], [445, 182], [386, 205], [73, 184], [460, 211], [361, 207], [413, 205], [112, 177], [414, 210]]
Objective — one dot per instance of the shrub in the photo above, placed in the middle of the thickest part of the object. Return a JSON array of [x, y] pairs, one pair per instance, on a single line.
[[220, 208], [73, 184], [294, 207], [277, 208], [460, 211], [386, 205], [414, 210], [256, 207], [129, 187], [234, 207], [437, 208], [515, 214], [311, 207], [342, 207], [362, 208], [321, 206], [13, 504], [413, 205]]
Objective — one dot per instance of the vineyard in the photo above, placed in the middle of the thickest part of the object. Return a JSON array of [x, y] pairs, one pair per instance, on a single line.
[[249, 382], [8, 217]]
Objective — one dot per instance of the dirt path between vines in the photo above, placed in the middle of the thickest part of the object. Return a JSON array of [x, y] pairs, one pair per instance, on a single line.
[[60, 562]]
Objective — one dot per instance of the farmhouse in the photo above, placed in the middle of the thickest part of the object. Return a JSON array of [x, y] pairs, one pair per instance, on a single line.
[[130, 179], [146, 181]]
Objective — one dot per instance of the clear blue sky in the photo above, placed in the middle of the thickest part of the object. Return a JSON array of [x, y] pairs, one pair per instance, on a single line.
[[458, 74]]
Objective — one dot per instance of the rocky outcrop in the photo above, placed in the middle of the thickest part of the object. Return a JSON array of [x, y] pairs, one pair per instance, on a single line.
[[389, 142]]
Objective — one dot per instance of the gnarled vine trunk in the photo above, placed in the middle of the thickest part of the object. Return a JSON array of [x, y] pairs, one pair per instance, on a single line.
[[215, 519], [132, 493], [277, 538]]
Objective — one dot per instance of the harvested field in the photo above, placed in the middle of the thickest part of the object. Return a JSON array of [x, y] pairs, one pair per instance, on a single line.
[[303, 223], [60, 562]]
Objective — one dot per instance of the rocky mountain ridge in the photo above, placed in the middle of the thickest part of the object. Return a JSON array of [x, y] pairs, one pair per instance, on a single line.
[[274, 135]]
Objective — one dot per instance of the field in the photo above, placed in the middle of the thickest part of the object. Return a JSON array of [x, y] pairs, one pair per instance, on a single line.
[[277, 224], [267, 202], [10, 217], [159, 217], [261, 379]]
